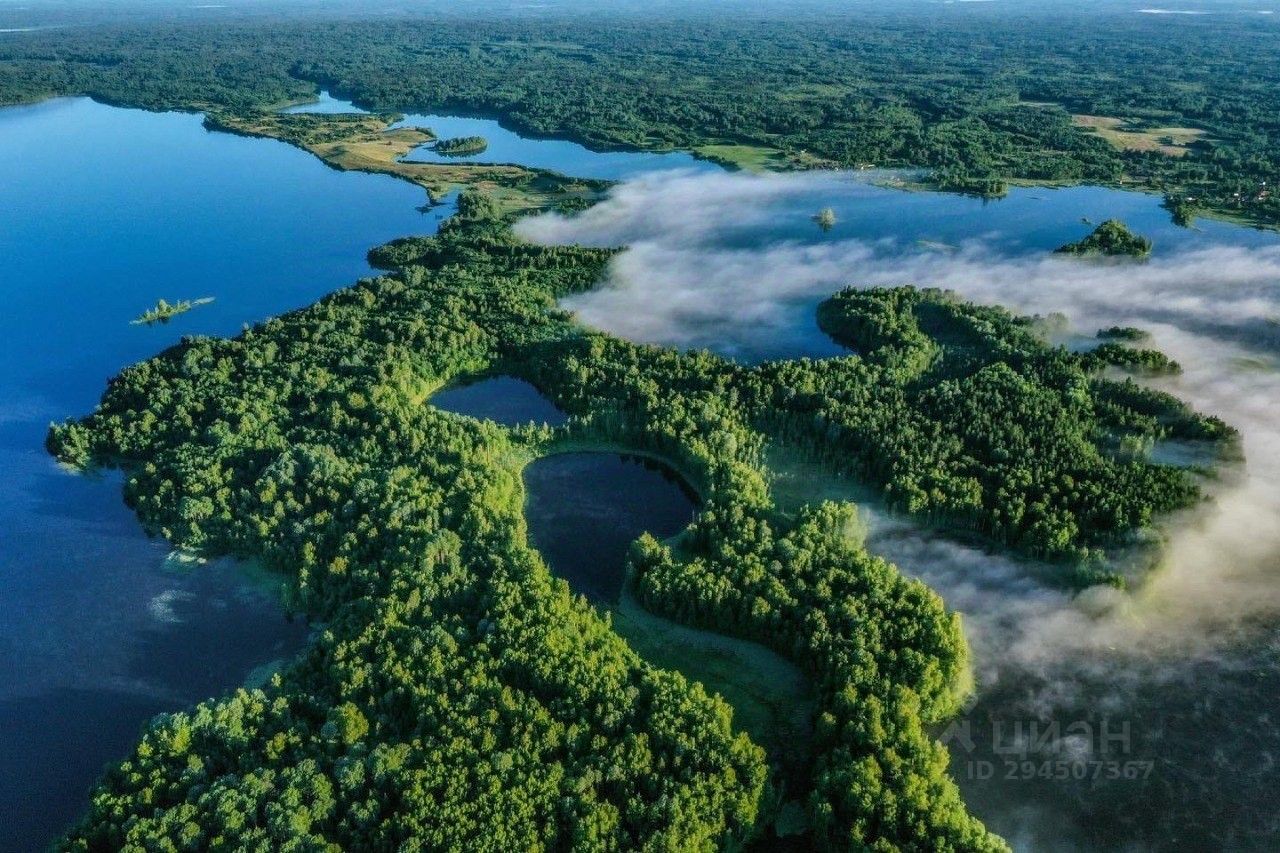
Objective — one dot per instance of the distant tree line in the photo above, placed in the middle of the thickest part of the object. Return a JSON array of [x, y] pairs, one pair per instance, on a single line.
[[979, 96]]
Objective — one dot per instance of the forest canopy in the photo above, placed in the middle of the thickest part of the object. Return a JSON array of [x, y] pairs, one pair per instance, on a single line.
[[459, 696], [980, 96]]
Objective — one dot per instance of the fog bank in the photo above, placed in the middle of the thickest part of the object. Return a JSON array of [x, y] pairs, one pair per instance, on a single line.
[[729, 262]]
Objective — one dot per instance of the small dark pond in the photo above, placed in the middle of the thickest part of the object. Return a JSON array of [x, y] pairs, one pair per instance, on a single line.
[[504, 399], [585, 509]]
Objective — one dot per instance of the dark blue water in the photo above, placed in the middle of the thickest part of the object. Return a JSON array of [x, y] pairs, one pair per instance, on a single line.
[[102, 211], [502, 399], [585, 509]]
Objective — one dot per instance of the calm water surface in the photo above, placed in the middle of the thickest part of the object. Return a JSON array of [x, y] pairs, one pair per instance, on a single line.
[[103, 211], [507, 146], [585, 509], [502, 399]]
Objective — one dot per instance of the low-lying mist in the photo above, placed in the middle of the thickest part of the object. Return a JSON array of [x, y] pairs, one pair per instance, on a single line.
[[1189, 660]]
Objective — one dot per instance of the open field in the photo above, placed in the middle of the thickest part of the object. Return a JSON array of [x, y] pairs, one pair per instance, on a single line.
[[1127, 136], [797, 480], [771, 698]]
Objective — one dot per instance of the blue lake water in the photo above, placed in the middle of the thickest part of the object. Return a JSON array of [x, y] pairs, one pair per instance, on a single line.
[[507, 146], [502, 399], [103, 211], [585, 509]]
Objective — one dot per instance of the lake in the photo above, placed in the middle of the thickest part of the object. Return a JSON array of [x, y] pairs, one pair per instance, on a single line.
[[104, 210], [585, 509], [502, 399]]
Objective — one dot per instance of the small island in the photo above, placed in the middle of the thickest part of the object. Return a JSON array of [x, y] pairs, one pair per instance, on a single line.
[[1111, 239], [826, 218], [163, 311], [461, 146]]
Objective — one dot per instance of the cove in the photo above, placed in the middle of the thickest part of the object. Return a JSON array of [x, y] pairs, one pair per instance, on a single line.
[[507, 146]]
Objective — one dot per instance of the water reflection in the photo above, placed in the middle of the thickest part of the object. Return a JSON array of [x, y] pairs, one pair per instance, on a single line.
[[585, 509], [503, 399]]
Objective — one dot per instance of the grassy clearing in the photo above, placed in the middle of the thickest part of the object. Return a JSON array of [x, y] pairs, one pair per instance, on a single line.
[[758, 158], [799, 480], [771, 698], [1125, 135], [747, 158]]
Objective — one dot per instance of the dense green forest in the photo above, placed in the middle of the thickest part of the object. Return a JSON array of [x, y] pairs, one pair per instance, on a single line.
[[461, 146], [1186, 105], [460, 697], [963, 414], [1110, 239]]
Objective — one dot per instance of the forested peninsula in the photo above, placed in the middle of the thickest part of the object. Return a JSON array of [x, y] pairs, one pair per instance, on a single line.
[[457, 695]]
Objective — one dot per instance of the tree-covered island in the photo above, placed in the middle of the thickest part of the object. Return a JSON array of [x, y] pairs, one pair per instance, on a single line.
[[1111, 239], [461, 146], [164, 311]]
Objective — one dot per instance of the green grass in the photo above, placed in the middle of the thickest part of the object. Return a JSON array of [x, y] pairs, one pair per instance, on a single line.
[[748, 158], [798, 480], [771, 698]]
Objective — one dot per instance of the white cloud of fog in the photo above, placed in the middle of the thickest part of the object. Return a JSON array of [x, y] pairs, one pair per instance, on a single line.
[[701, 271]]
